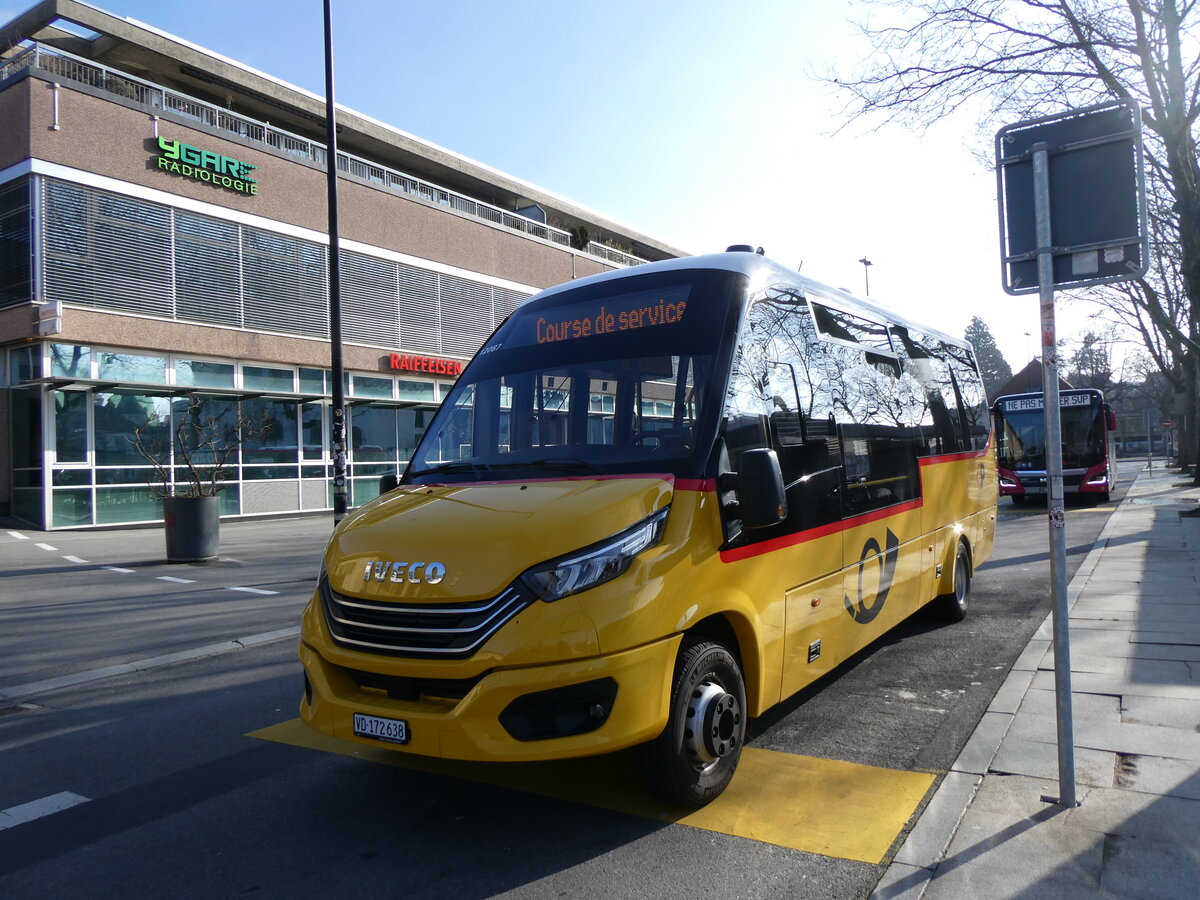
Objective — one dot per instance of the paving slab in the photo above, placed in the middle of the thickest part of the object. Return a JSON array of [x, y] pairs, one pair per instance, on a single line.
[[1148, 869], [1174, 713], [1029, 758]]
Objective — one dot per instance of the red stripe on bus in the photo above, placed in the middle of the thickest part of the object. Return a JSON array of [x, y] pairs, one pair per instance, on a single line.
[[800, 537]]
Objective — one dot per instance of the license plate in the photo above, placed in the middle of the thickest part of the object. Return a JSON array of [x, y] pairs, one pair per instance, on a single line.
[[394, 731]]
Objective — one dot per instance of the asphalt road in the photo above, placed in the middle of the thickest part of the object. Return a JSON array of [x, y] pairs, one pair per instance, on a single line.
[[181, 803]]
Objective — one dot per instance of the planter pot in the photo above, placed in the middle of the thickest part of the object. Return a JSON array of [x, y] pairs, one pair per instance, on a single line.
[[193, 528]]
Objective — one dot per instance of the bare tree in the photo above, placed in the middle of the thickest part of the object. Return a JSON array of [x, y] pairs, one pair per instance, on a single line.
[[1015, 59]]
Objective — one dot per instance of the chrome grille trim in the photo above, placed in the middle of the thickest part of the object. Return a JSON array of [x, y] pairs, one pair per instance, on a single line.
[[441, 631]]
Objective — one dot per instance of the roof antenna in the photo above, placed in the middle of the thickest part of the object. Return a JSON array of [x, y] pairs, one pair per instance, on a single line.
[[759, 251]]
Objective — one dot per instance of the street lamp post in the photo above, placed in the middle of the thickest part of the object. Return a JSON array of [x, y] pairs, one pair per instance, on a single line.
[[866, 263]]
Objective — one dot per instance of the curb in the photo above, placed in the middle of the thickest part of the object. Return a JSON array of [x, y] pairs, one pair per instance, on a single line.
[[913, 866]]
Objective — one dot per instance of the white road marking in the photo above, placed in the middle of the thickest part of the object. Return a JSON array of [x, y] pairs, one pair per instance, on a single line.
[[27, 812], [74, 559], [16, 691], [47, 547], [18, 535], [249, 590], [118, 569], [174, 580]]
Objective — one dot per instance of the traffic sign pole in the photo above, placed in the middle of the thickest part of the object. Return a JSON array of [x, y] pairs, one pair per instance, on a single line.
[[1056, 512]]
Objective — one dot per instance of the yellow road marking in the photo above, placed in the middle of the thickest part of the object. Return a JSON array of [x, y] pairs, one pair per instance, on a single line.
[[825, 806]]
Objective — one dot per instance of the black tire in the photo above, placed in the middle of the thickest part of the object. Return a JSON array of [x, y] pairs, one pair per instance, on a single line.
[[1018, 499], [689, 766], [953, 606]]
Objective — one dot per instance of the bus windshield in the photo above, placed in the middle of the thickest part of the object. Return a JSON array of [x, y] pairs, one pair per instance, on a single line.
[[603, 379], [1022, 438]]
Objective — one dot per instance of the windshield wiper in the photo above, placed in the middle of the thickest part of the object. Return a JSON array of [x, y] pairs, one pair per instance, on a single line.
[[563, 462], [453, 467]]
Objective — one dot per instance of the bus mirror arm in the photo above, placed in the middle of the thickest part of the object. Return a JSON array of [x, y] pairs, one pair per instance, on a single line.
[[762, 499], [388, 483]]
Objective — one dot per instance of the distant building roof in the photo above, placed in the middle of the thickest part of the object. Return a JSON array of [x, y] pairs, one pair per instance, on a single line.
[[1029, 380]]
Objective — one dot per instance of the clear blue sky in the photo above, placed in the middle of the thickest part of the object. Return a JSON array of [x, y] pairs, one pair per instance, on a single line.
[[701, 123]]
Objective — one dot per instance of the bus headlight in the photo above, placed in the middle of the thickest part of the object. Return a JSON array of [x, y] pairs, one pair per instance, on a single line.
[[596, 564], [1005, 481]]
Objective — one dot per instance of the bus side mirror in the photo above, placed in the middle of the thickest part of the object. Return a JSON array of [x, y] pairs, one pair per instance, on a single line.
[[387, 483], [762, 500], [1111, 420]]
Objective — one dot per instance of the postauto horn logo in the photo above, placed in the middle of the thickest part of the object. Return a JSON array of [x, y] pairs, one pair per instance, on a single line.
[[204, 165]]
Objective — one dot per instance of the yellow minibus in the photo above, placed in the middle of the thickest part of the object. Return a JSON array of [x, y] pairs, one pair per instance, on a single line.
[[656, 503]]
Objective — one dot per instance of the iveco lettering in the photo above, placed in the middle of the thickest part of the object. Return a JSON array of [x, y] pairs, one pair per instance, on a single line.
[[660, 501]]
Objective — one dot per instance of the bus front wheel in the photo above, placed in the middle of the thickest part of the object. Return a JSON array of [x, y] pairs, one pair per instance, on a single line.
[[1018, 499], [953, 606], [694, 758]]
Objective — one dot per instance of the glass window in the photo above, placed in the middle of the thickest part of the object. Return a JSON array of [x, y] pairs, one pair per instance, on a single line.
[[312, 381], [121, 418], [312, 422], [70, 361], [70, 426], [261, 378], [72, 507], [200, 373], [271, 431], [26, 422], [412, 426], [365, 386], [132, 367], [373, 434], [16, 217], [421, 391], [206, 433], [125, 504], [852, 329], [25, 364]]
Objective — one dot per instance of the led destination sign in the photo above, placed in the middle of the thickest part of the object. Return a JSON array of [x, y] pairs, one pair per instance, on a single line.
[[645, 309], [204, 165], [1034, 403]]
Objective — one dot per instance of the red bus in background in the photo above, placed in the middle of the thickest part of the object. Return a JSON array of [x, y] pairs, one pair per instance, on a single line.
[[1088, 444]]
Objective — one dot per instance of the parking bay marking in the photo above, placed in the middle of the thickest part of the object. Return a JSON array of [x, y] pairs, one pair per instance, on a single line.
[[839, 809]]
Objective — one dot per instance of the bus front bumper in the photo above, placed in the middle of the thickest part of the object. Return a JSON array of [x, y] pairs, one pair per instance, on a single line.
[[517, 714]]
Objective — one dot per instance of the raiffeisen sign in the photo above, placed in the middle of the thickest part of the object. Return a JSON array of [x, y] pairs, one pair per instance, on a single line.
[[204, 165]]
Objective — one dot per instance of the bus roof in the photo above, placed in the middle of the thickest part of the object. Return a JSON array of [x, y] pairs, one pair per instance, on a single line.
[[761, 270]]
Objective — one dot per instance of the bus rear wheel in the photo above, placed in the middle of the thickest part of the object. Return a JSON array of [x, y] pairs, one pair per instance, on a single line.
[[694, 758], [953, 606]]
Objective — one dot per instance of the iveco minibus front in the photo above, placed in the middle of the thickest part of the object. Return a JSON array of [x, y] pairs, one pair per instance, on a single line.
[[535, 587]]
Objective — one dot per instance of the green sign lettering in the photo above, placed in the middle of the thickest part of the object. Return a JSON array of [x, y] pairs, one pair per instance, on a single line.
[[204, 165]]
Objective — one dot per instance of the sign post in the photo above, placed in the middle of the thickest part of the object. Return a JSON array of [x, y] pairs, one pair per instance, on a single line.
[[1072, 214]]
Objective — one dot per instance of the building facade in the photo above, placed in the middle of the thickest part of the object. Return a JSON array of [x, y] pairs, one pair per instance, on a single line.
[[164, 258]]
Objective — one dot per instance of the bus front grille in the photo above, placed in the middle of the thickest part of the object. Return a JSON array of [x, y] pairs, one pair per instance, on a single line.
[[438, 631]]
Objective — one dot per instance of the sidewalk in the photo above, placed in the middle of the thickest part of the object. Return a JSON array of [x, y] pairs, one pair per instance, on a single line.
[[1135, 680]]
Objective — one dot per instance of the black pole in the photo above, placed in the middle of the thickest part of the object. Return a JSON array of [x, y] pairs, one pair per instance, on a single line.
[[336, 365]]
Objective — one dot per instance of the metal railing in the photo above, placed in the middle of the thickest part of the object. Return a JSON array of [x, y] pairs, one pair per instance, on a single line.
[[129, 87]]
